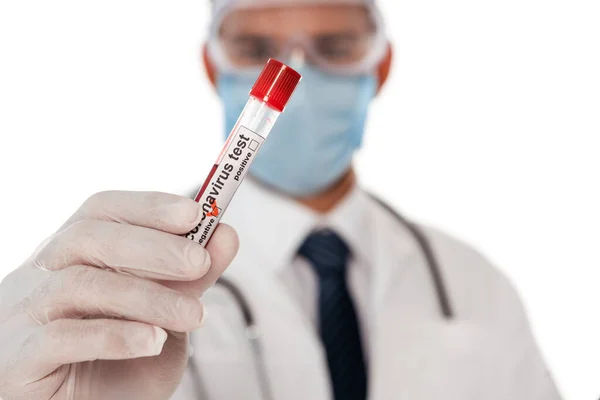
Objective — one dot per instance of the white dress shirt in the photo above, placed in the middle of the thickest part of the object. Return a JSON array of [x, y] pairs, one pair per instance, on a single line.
[[350, 221]]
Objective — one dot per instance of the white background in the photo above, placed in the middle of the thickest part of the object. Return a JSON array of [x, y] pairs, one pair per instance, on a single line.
[[488, 129]]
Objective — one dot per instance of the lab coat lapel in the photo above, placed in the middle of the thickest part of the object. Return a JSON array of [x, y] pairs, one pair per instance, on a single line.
[[292, 352], [418, 354]]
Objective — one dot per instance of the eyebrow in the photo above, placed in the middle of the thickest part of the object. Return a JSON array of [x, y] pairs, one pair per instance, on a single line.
[[338, 35], [242, 38]]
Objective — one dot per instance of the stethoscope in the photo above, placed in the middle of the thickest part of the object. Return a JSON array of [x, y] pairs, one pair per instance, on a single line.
[[252, 331]]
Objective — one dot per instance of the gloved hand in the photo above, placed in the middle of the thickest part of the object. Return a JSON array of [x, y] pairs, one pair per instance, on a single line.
[[101, 309]]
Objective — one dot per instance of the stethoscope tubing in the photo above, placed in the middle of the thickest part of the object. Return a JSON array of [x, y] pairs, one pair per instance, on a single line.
[[441, 289]]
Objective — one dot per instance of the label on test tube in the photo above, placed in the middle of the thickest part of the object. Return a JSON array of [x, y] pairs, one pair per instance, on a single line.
[[224, 179], [271, 92]]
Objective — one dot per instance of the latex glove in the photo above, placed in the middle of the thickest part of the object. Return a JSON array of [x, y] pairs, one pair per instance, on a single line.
[[101, 309]]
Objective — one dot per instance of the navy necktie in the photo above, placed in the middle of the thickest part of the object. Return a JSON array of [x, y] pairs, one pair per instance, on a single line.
[[338, 323]]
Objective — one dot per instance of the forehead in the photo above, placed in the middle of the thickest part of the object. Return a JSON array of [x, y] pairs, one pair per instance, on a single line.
[[310, 20]]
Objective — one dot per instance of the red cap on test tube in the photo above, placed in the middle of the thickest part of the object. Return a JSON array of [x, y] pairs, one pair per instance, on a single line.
[[276, 84]]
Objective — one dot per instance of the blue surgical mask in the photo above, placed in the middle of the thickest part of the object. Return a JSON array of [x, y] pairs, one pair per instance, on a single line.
[[312, 144]]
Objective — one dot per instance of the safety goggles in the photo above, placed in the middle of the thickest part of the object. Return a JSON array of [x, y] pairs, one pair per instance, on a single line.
[[348, 49]]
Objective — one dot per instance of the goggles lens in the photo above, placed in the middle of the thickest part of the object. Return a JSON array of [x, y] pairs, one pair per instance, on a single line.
[[337, 49], [350, 40]]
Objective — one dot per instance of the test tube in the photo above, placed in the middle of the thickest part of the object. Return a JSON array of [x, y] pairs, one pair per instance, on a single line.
[[268, 98]]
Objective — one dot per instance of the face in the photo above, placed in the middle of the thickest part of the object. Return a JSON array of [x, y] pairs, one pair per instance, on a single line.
[[343, 56], [333, 35]]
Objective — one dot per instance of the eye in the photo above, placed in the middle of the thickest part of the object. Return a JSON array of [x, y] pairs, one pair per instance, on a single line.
[[338, 47], [250, 48]]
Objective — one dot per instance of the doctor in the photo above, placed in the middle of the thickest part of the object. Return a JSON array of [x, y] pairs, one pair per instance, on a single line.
[[342, 292], [332, 296]]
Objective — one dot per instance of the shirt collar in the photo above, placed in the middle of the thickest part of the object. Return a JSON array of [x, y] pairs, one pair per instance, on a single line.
[[276, 226]]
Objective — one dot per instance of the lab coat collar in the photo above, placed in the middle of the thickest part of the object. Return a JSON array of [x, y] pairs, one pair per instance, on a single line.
[[351, 220], [277, 225]]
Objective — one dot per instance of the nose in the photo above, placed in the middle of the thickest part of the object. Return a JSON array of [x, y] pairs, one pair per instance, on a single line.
[[297, 57]]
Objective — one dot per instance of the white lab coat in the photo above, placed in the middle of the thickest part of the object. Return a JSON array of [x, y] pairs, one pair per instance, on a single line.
[[486, 353]]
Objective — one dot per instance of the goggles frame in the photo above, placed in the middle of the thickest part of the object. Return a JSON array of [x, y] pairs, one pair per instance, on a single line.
[[368, 64]]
